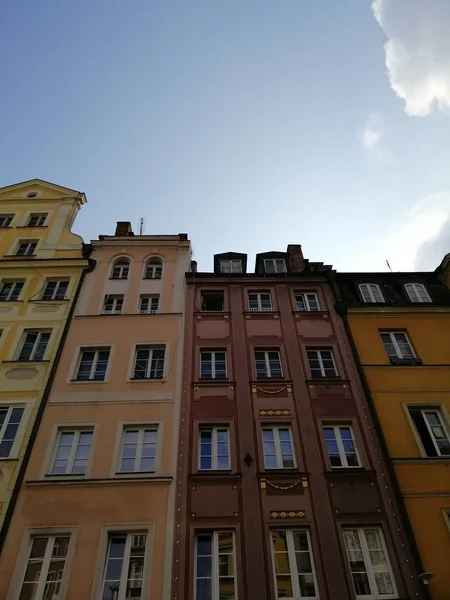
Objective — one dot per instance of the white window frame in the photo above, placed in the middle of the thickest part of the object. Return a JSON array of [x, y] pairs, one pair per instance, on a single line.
[[370, 290], [6, 220], [55, 291], [233, 265], [141, 429], [443, 423], [214, 429], [97, 351], [124, 265], [340, 444], [39, 217], [396, 345], [150, 348], [36, 343], [273, 262], [152, 267], [14, 283], [368, 563], [117, 299], [150, 298], [215, 571], [319, 355], [10, 408], [213, 363], [30, 244], [260, 308], [306, 301], [126, 560], [293, 572], [414, 290], [276, 438], [73, 449], [51, 535], [267, 361]]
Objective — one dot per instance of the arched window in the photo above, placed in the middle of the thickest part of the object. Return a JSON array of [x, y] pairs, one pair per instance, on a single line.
[[120, 269], [153, 269], [417, 292], [371, 292]]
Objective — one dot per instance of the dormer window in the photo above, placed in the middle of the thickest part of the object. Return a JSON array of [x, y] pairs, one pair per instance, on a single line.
[[37, 219], [371, 293], [231, 266], [275, 265], [417, 292]]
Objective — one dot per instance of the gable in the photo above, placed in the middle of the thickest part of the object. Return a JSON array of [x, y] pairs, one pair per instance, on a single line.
[[43, 189]]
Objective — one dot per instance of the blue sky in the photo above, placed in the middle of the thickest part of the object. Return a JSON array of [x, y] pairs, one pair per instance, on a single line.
[[249, 125]]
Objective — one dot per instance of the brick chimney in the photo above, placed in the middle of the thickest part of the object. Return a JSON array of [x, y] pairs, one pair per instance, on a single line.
[[194, 266], [123, 229], [296, 260]]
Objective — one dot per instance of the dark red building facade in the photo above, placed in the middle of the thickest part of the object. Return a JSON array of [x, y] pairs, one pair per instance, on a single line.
[[282, 488]]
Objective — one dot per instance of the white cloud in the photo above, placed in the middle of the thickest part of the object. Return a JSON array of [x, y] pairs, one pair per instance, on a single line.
[[417, 51], [417, 244], [371, 138]]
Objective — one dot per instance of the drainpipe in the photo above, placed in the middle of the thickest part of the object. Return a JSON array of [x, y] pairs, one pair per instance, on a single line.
[[87, 249], [341, 309]]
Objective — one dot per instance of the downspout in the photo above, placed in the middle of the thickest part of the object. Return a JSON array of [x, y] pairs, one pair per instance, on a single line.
[[87, 249], [341, 309]]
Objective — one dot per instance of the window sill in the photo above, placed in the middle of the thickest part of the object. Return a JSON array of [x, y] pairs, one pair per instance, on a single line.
[[404, 362], [320, 314], [32, 227], [261, 313], [87, 380], [327, 380], [10, 301], [8, 459], [347, 470], [118, 278], [212, 380], [422, 460], [46, 300], [146, 379], [282, 380], [212, 313], [152, 278], [74, 480], [216, 475], [21, 256], [25, 362]]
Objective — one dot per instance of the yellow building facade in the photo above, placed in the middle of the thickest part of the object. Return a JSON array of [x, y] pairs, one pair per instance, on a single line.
[[42, 264], [400, 325]]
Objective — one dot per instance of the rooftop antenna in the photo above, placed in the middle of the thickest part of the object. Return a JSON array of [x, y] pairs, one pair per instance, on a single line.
[[387, 262], [141, 226]]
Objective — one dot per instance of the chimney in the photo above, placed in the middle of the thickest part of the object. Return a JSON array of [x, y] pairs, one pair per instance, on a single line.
[[193, 266], [123, 229], [296, 260]]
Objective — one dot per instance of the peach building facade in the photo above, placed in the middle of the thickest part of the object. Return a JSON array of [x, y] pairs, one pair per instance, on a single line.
[[94, 518]]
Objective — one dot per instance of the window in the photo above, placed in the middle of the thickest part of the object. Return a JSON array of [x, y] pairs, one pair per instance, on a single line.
[[123, 577], [397, 345], [72, 452], [93, 364], [212, 301], [214, 451], [321, 363], [45, 567], [26, 248], [10, 418], [149, 362], [153, 269], [307, 302], [56, 289], [293, 564], [37, 219], [6, 220], [148, 304], [215, 566], [432, 430], [231, 266], [259, 302], [112, 305], [341, 447], [369, 563], [213, 365], [417, 292], [277, 446], [34, 345], [268, 363], [121, 269], [10, 291], [371, 292], [138, 452], [275, 265]]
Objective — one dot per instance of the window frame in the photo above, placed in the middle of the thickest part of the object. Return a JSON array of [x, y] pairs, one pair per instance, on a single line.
[[360, 529], [214, 428], [58, 282], [396, 346], [342, 454], [371, 293], [97, 350], [33, 244], [141, 428], [443, 421], [14, 283], [306, 302], [231, 264], [417, 289], [149, 297], [116, 299], [322, 370], [259, 308], [273, 262], [268, 374], [213, 353], [293, 572], [77, 430], [36, 344], [151, 347], [122, 263], [4, 219], [153, 266], [215, 560], [38, 216], [10, 406], [275, 428]]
